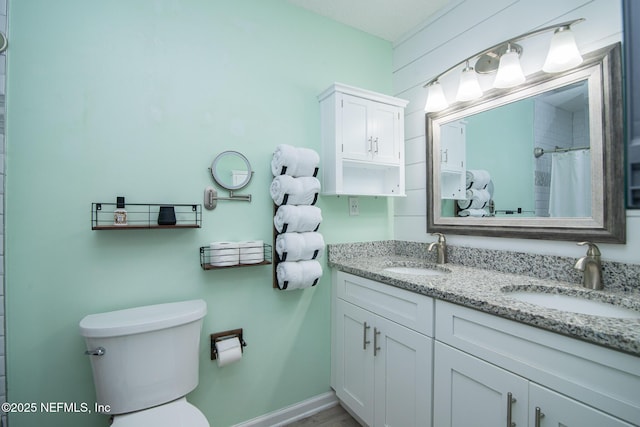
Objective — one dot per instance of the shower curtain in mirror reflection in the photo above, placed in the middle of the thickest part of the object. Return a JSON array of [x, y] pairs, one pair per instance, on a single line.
[[570, 184]]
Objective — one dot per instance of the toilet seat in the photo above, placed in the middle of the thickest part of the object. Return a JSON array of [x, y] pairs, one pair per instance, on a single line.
[[178, 413]]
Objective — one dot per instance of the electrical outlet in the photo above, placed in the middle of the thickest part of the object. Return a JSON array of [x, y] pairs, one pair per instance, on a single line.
[[354, 207]]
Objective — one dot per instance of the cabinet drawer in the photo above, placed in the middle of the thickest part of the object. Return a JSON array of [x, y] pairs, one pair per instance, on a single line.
[[605, 379], [407, 308]]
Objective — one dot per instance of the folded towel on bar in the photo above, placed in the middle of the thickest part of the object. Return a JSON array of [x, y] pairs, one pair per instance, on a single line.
[[290, 218], [299, 246], [478, 179], [294, 161], [287, 190], [476, 199], [298, 274], [473, 212]]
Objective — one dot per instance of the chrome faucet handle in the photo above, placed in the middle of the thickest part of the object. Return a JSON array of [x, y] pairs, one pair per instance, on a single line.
[[441, 238], [593, 248]]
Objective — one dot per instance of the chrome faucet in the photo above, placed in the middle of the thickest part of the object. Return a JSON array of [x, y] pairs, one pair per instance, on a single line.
[[441, 244], [591, 267]]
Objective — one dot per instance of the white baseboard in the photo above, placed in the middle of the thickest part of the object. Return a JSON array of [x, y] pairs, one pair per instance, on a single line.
[[294, 412]]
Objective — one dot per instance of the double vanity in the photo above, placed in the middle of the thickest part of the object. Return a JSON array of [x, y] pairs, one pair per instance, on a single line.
[[415, 343]]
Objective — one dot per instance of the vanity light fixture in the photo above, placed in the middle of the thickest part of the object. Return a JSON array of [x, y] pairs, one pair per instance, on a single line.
[[563, 52], [510, 72], [436, 100], [504, 58], [469, 87]]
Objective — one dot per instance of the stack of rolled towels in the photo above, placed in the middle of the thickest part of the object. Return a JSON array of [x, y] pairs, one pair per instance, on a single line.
[[226, 254], [295, 190], [477, 196]]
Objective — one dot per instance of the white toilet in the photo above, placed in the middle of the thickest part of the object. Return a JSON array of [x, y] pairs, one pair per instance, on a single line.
[[145, 361]]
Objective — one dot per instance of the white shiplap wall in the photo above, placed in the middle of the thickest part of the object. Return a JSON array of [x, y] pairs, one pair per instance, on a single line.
[[461, 30]]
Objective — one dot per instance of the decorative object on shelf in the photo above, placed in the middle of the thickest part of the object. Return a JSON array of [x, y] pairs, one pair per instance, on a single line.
[[235, 254], [120, 214], [167, 215], [362, 134], [296, 221], [105, 216], [231, 170], [504, 58]]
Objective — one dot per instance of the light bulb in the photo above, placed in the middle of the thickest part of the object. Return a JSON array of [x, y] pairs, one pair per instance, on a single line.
[[468, 88], [509, 70], [435, 98], [563, 52]]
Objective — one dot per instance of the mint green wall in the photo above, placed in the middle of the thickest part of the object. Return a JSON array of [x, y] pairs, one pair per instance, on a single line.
[[136, 99], [502, 151]]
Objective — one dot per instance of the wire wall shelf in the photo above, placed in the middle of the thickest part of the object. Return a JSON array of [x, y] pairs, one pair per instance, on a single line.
[[145, 216]]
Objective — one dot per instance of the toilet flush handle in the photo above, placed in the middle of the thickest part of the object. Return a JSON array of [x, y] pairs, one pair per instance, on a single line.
[[100, 351]]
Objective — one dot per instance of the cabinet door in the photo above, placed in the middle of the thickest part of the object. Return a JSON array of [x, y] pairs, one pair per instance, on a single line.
[[356, 144], [561, 411], [470, 392], [354, 359], [403, 376], [454, 145], [385, 132]]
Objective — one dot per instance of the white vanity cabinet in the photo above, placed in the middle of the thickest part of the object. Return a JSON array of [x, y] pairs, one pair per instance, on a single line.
[[382, 352], [487, 369], [362, 136]]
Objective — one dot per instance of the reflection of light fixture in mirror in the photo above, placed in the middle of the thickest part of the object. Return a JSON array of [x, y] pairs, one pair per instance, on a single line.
[[436, 100], [563, 52], [509, 71], [469, 87]]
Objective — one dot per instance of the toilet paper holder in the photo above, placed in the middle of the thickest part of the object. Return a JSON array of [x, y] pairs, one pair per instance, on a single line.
[[220, 336]]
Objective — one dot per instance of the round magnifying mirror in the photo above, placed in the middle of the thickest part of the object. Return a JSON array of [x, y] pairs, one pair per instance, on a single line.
[[231, 170]]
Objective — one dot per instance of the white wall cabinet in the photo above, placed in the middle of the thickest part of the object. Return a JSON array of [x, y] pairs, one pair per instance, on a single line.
[[503, 372], [381, 368], [362, 136], [453, 170]]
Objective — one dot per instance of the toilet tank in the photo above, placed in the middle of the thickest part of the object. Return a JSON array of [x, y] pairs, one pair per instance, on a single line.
[[150, 357]]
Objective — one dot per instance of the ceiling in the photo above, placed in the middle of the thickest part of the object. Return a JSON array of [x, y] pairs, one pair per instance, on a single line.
[[387, 19]]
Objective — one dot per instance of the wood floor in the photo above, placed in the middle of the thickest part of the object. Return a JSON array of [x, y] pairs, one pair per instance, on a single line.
[[335, 416]]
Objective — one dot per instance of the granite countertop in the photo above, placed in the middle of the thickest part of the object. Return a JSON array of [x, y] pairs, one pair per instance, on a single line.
[[484, 290]]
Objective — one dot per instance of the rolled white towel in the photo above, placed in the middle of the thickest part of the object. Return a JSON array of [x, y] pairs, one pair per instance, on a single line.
[[478, 179], [297, 218], [476, 199], [287, 190], [298, 274], [294, 161], [224, 254], [473, 212], [251, 251], [299, 246]]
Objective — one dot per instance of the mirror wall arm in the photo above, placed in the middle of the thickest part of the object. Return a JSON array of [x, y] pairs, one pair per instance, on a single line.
[[238, 197], [511, 40]]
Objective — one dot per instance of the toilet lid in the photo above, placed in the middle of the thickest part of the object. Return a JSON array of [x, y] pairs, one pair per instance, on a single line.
[[178, 413]]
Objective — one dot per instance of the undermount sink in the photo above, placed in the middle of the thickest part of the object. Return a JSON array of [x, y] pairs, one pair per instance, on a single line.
[[574, 304], [416, 271]]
